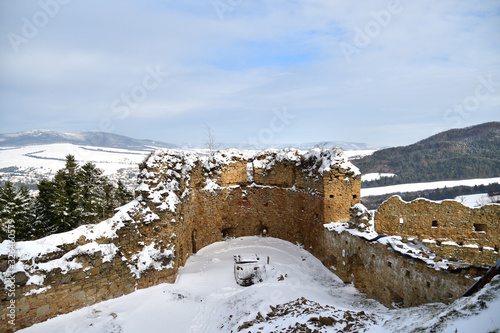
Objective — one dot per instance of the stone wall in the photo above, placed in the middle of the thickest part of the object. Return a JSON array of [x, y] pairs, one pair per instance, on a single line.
[[81, 272], [448, 228], [388, 276], [340, 194]]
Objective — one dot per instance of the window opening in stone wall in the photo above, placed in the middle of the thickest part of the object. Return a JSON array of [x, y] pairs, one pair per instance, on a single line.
[[480, 227], [389, 264], [354, 196], [434, 224], [408, 274], [438, 243], [331, 196], [227, 233], [250, 173]]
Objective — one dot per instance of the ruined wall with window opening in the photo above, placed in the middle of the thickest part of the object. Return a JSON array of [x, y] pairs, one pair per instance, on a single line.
[[449, 228]]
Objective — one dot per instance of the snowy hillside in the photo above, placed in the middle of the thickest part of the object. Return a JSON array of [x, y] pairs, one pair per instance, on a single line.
[[415, 187], [95, 139], [298, 292], [52, 157], [30, 164]]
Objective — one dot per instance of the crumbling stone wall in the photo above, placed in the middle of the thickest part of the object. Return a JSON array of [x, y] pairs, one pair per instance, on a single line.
[[340, 194], [388, 276], [449, 228], [100, 276]]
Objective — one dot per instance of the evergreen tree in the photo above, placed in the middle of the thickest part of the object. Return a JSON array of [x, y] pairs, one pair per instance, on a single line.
[[42, 225], [109, 203], [71, 189], [91, 193], [122, 195], [77, 195], [16, 209], [59, 198]]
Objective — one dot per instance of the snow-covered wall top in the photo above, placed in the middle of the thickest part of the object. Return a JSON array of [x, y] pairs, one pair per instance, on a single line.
[[166, 175], [315, 160]]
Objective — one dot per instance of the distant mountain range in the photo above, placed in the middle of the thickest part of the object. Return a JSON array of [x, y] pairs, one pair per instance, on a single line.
[[97, 139], [472, 152], [109, 140], [302, 146]]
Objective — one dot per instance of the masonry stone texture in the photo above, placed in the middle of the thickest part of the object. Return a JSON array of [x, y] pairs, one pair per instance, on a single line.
[[450, 229], [186, 202]]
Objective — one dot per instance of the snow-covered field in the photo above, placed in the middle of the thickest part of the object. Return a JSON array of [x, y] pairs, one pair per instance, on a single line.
[[414, 187], [296, 288], [375, 176], [31, 164], [473, 200], [357, 154], [50, 158]]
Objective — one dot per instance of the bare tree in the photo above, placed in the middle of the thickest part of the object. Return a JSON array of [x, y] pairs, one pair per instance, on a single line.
[[322, 145], [210, 142], [489, 199], [461, 199]]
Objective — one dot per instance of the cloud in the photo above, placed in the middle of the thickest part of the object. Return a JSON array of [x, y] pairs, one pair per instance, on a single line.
[[234, 66]]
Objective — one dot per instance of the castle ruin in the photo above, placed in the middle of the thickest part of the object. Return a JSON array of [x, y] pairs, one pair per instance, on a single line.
[[187, 200]]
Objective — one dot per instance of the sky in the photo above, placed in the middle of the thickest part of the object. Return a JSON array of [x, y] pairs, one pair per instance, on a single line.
[[386, 73]]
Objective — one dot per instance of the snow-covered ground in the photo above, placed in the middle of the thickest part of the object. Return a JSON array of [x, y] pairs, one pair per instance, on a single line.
[[473, 200], [296, 288], [375, 176], [414, 187], [357, 154], [31, 164], [50, 158]]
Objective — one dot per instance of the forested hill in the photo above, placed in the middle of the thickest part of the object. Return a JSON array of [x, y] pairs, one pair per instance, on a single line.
[[472, 152]]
